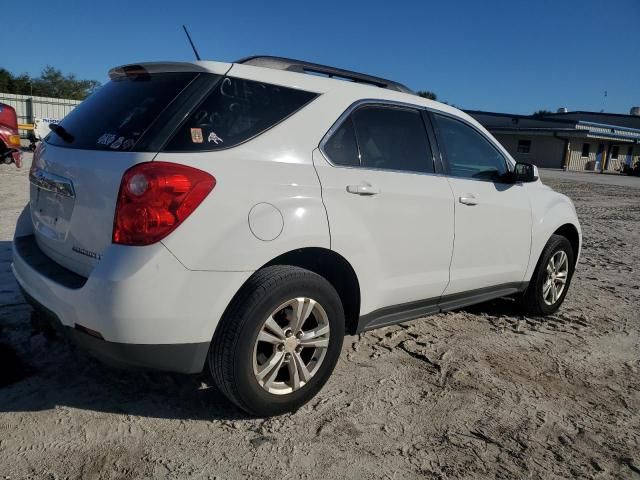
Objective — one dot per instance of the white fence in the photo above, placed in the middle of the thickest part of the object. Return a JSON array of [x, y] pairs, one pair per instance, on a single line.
[[29, 108]]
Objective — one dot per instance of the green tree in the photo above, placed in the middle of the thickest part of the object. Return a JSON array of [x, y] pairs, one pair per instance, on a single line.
[[10, 83], [22, 84], [427, 94], [51, 83], [541, 113], [5, 80]]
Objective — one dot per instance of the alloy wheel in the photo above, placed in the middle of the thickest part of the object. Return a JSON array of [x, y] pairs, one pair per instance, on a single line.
[[291, 346], [557, 273]]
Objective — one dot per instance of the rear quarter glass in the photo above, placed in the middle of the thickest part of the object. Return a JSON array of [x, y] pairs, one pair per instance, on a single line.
[[234, 112], [117, 115]]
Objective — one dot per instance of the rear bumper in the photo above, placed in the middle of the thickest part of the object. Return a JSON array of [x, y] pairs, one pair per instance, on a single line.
[[181, 358], [149, 310]]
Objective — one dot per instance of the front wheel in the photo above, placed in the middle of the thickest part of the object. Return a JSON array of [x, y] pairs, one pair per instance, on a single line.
[[279, 340], [550, 281]]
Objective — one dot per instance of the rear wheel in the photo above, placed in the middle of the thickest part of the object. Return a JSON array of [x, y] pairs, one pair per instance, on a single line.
[[551, 278], [279, 341]]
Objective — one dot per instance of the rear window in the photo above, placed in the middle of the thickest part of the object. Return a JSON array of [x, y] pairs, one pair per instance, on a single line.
[[235, 111], [117, 115]]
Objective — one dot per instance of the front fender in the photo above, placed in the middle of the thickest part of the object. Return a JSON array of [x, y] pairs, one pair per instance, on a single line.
[[550, 211]]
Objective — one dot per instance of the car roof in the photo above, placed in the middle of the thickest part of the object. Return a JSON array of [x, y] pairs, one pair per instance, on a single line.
[[297, 78]]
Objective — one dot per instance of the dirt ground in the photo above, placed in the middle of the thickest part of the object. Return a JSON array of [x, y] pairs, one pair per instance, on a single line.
[[479, 393]]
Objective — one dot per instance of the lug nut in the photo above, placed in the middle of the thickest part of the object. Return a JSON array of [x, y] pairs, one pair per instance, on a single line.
[[288, 333], [281, 348], [298, 348], [299, 335], [287, 356]]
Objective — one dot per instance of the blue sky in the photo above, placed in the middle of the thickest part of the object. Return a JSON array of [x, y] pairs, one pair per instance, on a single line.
[[505, 55]]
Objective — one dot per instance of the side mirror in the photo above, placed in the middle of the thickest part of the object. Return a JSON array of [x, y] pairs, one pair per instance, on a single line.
[[525, 172]]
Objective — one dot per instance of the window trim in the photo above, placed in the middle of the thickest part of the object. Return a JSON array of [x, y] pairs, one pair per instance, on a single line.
[[443, 150], [368, 102]]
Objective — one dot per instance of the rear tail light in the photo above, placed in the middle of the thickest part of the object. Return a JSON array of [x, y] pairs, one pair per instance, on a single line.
[[155, 198]]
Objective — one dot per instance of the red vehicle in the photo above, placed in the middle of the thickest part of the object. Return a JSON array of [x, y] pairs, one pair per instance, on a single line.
[[9, 137]]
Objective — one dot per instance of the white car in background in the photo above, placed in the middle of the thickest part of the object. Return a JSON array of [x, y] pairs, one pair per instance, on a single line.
[[246, 216]]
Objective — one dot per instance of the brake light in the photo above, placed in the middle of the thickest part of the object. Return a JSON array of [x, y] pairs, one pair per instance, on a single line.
[[155, 198]]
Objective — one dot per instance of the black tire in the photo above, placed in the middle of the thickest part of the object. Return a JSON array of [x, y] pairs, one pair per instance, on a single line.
[[231, 352], [532, 300], [4, 154]]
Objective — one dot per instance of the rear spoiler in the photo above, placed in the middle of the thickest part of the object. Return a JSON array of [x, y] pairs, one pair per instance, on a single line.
[[136, 69]]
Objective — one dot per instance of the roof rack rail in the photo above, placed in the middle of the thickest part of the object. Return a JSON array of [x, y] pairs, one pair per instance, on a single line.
[[300, 66]]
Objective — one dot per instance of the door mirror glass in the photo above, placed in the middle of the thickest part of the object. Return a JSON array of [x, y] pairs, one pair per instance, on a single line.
[[525, 172]]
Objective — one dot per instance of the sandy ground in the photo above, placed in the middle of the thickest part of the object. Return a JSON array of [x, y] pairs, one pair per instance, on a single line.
[[479, 393]]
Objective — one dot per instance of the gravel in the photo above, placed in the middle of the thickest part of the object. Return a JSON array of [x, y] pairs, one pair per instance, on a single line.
[[483, 392]]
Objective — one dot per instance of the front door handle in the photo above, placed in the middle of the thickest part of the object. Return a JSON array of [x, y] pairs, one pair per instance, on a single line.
[[468, 199], [363, 189]]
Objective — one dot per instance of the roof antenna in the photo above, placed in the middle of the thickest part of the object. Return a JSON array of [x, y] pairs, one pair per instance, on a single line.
[[191, 42]]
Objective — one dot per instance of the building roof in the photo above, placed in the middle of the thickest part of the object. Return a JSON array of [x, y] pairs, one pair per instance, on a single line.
[[473, 113], [583, 112], [514, 124], [631, 121]]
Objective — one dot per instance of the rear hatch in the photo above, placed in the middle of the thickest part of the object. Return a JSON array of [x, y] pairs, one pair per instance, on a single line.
[[76, 172]]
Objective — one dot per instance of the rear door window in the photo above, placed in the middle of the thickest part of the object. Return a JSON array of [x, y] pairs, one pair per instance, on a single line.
[[120, 112], [391, 138], [235, 111]]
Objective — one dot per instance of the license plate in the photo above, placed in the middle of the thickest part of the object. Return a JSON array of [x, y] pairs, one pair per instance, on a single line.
[[51, 213]]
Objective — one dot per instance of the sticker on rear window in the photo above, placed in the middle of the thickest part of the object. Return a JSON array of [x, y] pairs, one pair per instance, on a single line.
[[117, 144], [196, 135], [128, 144], [106, 139], [214, 138]]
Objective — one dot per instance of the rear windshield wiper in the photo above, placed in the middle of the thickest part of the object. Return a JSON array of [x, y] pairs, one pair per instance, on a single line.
[[61, 132]]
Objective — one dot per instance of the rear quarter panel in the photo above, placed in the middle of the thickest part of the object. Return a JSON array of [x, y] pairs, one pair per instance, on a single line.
[[274, 168]]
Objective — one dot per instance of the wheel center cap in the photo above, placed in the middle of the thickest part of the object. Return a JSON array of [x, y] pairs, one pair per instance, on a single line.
[[290, 344]]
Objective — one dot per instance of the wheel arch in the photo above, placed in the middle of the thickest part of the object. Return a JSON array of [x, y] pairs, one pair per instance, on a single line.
[[570, 232], [335, 269], [328, 264]]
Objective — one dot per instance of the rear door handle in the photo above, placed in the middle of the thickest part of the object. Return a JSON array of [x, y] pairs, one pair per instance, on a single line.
[[468, 199], [363, 189]]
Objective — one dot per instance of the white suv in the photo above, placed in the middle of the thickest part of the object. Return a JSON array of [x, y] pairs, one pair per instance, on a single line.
[[248, 215]]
